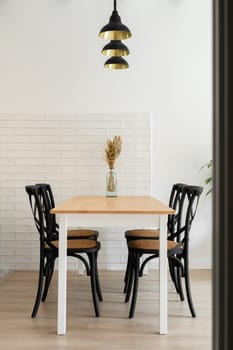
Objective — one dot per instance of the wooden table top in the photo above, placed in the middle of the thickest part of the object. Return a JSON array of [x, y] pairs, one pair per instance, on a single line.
[[112, 205]]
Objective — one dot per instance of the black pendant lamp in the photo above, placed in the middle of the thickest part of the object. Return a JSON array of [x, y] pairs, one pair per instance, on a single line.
[[115, 29], [116, 63], [115, 48]]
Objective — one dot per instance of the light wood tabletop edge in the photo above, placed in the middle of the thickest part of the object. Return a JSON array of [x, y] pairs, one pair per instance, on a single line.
[[112, 205]]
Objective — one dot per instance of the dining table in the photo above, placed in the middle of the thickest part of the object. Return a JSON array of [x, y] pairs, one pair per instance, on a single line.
[[121, 212]]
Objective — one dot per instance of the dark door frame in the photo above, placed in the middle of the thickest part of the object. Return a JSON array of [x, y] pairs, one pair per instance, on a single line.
[[223, 175]]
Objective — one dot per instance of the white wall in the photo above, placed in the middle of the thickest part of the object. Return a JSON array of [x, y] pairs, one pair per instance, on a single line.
[[67, 151], [50, 62]]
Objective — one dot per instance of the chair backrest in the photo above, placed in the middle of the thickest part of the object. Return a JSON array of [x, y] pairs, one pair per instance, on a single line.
[[49, 193], [193, 194], [40, 210], [176, 202], [49, 203], [190, 204]]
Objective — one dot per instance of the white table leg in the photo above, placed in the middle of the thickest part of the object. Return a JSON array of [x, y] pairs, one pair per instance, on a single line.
[[62, 267], [163, 274]]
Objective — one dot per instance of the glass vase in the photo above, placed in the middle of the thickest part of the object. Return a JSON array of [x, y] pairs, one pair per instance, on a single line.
[[111, 183]]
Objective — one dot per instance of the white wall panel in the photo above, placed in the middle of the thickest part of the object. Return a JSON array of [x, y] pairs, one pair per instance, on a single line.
[[72, 165]]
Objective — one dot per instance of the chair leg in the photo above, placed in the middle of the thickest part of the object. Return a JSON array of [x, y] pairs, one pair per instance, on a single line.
[[135, 285], [49, 275], [188, 289], [85, 263], [129, 281], [127, 272], [98, 288], [179, 283], [149, 258], [92, 260], [173, 274], [39, 288], [127, 269]]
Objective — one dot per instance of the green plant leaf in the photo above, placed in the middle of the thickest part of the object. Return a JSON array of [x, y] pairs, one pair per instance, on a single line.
[[207, 181]]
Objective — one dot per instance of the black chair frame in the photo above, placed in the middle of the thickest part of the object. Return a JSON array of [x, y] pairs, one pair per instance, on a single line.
[[176, 202], [47, 228], [178, 257]]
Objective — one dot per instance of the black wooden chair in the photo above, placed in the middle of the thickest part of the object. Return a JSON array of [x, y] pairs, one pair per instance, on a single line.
[[176, 201], [177, 249], [49, 245]]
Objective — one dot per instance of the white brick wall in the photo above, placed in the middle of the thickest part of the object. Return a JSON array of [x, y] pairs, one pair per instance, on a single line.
[[66, 151]]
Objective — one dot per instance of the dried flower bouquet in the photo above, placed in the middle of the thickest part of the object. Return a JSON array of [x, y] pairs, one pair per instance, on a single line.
[[112, 152]]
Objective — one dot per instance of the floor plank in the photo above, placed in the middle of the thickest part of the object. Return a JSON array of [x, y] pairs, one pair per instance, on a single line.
[[113, 330]]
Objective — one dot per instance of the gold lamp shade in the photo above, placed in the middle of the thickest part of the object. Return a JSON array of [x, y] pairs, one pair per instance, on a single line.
[[116, 63], [115, 48], [115, 29]]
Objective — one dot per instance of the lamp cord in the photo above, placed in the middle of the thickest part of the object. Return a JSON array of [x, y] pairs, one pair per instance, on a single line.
[[115, 5]]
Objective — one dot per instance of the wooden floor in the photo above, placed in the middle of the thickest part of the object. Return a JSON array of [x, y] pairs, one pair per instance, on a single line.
[[113, 330]]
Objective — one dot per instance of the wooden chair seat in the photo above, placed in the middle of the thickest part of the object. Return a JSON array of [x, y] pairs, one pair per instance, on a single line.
[[142, 233], [82, 233], [150, 244], [77, 244]]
